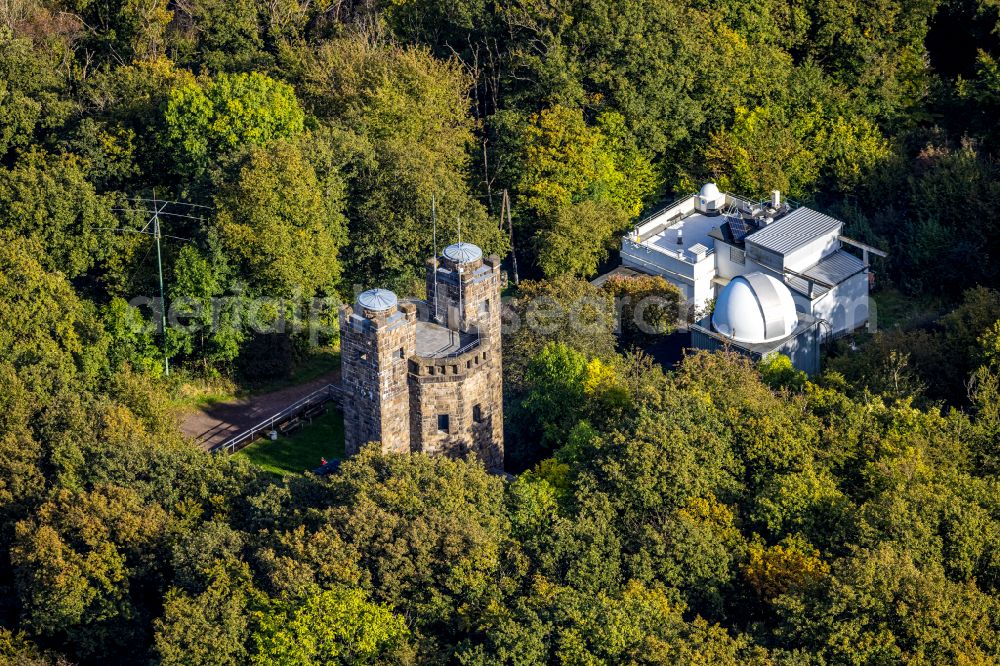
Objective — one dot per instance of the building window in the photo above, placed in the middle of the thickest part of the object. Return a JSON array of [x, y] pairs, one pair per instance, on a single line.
[[401, 353], [736, 255], [443, 423], [477, 413]]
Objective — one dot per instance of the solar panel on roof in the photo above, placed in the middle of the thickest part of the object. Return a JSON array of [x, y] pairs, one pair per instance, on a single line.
[[738, 227]]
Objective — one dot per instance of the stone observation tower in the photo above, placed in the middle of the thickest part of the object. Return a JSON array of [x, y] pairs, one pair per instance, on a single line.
[[425, 376]]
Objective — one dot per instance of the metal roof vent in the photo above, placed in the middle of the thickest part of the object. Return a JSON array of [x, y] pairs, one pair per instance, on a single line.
[[699, 251], [462, 253], [377, 300]]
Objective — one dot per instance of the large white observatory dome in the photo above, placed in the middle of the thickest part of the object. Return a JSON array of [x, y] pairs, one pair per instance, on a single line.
[[755, 308]]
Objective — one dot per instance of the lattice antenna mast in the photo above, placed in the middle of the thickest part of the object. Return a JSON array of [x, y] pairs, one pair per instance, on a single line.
[[510, 230]]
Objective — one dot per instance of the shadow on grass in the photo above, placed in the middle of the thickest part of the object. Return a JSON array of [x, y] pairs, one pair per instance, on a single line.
[[320, 362]]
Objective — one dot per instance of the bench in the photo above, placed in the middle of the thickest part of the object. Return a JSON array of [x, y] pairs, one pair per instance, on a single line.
[[314, 411], [290, 426]]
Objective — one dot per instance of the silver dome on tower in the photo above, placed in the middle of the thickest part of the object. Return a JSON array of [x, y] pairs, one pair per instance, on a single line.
[[377, 300], [462, 253]]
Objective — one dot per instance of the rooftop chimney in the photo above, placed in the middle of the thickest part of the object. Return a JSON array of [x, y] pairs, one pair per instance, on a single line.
[[775, 198]]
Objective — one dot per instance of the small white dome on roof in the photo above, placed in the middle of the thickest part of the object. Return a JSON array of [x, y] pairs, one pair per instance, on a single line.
[[710, 192], [755, 308], [462, 253], [377, 300]]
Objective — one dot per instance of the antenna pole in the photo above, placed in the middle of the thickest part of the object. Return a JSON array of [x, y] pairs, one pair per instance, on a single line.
[[510, 231], [461, 312], [159, 268], [434, 232], [157, 234]]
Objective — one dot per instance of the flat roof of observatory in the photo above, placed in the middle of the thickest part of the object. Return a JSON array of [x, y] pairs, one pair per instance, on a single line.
[[691, 229]]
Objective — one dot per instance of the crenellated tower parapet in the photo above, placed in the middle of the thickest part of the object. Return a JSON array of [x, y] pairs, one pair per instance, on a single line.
[[444, 359]]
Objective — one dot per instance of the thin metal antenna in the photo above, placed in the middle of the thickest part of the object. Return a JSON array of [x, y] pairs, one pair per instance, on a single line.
[[158, 208], [434, 233], [461, 312]]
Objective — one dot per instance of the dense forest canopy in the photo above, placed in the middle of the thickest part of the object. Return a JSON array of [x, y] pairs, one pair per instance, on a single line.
[[718, 513]]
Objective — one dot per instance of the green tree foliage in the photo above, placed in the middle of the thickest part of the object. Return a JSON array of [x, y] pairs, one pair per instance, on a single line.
[[565, 310], [646, 305], [209, 627], [31, 91], [565, 161], [580, 185], [868, 612], [17, 649], [48, 198], [130, 338], [403, 117], [765, 148], [579, 239], [207, 322], [47, 330], [329, 627], [559, 624], [430, 533], [280, 226], [720, 512], [926, 362], [221, 36], [559, 373], [208, 120], [75, 559]]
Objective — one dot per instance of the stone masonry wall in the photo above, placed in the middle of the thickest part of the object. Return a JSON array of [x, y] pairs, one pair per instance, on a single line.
[[374, 355], [395, 397], [456, 386]]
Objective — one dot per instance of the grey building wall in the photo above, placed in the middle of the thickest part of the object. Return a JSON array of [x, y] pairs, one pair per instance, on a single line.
[[802, 347]]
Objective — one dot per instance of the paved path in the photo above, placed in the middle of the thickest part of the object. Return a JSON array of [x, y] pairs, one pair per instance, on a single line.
[[218, 422]]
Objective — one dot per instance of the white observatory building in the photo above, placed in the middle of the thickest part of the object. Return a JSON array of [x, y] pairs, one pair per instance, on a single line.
[[778, 273]]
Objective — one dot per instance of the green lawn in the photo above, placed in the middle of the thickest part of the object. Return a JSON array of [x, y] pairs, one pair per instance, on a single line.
[[302, 450]]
